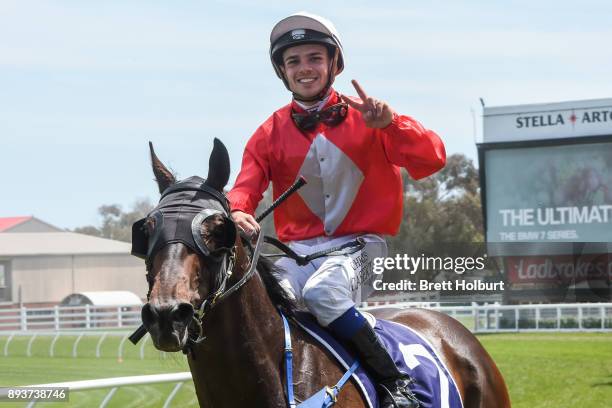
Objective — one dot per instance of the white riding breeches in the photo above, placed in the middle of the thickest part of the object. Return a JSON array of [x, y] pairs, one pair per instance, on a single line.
[[330, 285]]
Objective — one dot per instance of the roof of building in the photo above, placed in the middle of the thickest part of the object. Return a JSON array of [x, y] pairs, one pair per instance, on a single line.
[[103, 298], [58, 243], [9, 222]]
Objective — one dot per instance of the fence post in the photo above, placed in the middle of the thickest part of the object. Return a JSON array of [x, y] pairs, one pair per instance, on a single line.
[[56, 317], [29, 349], [87, 317], [142, 346], [558, 318], [6, 345], [175, 390], [516, 319], [119, 317], [99, 345], [496, 317], [76, 343], [120, 350], [537, 317], [579, 317], [602, 311], [52, 346], [24, 319], [108, 397]]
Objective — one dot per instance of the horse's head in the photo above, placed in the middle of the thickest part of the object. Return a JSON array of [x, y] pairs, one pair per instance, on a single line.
[[187, 242]]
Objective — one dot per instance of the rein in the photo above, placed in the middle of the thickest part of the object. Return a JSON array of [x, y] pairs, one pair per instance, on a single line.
[[221, 294]]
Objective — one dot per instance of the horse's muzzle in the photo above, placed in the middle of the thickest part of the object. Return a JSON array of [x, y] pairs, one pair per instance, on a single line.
[[167, 324]]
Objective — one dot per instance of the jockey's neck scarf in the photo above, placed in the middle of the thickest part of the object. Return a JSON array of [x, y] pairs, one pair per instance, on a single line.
[[317, 106]]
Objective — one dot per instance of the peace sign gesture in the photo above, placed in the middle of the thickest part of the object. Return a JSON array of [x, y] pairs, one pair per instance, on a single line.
[[376, 113]]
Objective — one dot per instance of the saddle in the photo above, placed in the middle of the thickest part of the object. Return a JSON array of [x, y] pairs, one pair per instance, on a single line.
[[413, 354]]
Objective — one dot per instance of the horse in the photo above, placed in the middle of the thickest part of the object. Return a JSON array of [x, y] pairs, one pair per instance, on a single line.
[[237, 358]]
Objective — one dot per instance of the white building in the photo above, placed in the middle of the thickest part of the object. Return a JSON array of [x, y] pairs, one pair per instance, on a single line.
[[42, 268]]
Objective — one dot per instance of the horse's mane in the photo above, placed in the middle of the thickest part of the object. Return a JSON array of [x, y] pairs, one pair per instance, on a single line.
[[278, 295]]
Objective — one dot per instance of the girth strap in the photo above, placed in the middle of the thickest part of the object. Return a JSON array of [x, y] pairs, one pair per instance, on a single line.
[[332, 393], [288, 362], [345, 249], [324, 398]]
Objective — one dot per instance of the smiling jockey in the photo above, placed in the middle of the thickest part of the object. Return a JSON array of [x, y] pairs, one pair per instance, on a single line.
[[350, 151]]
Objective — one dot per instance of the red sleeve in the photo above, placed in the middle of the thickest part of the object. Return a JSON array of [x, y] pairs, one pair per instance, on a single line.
[[254, 176], [408, 144]]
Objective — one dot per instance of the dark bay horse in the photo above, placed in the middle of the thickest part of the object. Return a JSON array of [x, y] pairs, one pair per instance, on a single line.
[[240, 363]]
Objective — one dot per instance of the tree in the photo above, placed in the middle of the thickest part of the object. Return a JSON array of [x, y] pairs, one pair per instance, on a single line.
[[440, 210], [117, 224]]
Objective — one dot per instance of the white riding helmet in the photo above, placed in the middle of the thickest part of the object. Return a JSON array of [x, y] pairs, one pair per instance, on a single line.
[[306, 28]]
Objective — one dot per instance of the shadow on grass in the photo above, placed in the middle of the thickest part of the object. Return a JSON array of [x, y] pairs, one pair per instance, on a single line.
[[604, 384]]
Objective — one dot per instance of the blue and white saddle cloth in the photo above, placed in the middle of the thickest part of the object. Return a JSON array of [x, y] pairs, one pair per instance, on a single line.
[[413, 354]]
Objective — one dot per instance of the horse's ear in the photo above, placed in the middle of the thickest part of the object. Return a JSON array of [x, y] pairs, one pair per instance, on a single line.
[[163, 176], [218, 167]]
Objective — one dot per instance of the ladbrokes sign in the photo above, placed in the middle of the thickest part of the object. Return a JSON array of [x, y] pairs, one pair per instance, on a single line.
[[559, 269], [561, 278]]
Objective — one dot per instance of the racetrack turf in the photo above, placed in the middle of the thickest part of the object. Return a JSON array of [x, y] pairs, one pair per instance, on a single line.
[[542, 370], [554, 370]]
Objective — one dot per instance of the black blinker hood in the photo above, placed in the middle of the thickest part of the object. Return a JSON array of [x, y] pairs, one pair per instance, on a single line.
[[174, 216]]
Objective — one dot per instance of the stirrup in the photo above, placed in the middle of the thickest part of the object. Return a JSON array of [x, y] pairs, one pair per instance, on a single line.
[[401, 387]]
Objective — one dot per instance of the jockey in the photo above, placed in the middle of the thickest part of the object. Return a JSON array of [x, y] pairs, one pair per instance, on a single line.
[[350, 151]]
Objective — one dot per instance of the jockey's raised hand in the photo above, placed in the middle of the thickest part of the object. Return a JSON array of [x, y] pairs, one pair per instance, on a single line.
[[376, 113]]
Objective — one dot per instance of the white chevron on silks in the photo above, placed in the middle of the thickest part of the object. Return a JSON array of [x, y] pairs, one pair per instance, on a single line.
[[333, 182]]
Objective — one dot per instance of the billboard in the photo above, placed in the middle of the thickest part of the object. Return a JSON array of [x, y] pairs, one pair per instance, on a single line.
[[546, 181], [550, 193]]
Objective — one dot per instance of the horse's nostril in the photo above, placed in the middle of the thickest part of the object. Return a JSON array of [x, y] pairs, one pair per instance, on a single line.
[[183, 312], [149, 315]]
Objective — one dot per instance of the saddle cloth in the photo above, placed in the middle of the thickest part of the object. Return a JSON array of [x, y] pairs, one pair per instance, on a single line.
[[434, 387]]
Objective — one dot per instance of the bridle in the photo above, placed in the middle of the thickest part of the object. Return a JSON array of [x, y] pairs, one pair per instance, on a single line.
[[183, 208], [145, 248], [222, 292]]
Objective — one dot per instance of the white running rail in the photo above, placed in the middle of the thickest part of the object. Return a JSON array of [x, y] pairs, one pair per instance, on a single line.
[[495, 318], [117, 382], [69, 317]]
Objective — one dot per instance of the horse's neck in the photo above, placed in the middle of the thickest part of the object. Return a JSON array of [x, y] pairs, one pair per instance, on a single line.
[[243, 349]]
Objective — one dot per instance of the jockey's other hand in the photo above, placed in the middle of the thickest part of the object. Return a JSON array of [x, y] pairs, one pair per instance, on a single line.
[[376, 113], [246, 222]]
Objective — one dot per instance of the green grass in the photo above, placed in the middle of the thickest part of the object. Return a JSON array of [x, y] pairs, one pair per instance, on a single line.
[[554, 370], [542, 370], [17, 369], [23, 370]]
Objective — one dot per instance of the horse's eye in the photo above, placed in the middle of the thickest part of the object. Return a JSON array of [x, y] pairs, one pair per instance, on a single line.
[[213, 232]]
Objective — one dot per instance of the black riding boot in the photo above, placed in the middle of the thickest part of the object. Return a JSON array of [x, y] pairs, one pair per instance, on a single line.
[[393, 384]]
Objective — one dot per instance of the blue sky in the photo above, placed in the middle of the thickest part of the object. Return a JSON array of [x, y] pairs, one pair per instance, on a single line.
[[85, 84]]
